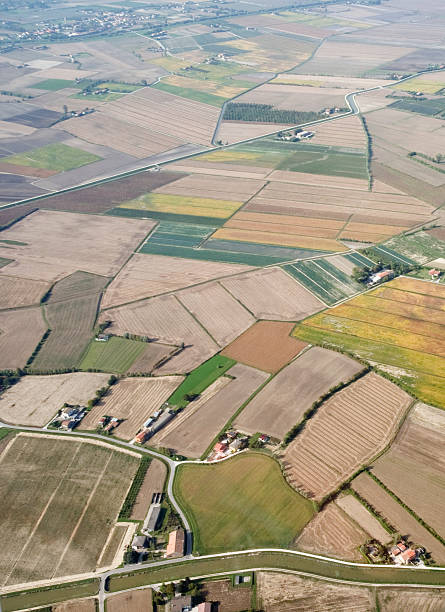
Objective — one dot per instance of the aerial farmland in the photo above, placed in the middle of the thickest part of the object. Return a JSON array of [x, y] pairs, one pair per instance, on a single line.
[[222, 305]]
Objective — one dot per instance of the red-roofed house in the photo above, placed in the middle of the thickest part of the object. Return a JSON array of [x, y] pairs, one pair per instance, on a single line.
[[220, 447], [408, 555], [434, 274], [176, 542]]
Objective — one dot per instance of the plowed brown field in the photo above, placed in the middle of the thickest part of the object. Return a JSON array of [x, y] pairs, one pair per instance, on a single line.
[[21, 330], [20, 291], [153, 483]]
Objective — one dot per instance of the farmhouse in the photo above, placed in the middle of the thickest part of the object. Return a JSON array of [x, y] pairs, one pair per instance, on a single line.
[[402, 555], [142, 436], [139, 543], [380, 277], [180, 603], [175, 546], [434, 273], [102, 338]]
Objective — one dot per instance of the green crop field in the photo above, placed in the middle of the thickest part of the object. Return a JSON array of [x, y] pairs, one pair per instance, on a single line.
[[423, 107], [58, 157], [71, 320], [120, 87], [201, 378], [330, 162], [108, 97], [183, 206], [116, 355], [240, 503], [421, 246], [55, 84], [4, 261], [45, 596], [193, 94]]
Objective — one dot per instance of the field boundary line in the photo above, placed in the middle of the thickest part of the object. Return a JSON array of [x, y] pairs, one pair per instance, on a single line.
[[195, 319]]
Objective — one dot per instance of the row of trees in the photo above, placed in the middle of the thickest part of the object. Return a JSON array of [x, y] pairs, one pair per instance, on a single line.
[[237, 111]]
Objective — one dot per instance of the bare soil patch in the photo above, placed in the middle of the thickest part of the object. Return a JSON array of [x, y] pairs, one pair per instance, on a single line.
[[150, 357], [20, 332], [20, 291], [333, 533], [272, 294], [153, 483], [357, 511], [228, 598], [140, 600], [267, 345], [352, 426], [288, 593], [26, 170], [282, 403], [34, 400], [77, 605], [133, 400], [399, 600]]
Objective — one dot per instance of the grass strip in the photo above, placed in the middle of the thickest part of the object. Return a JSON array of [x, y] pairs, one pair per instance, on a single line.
[[48, 595]]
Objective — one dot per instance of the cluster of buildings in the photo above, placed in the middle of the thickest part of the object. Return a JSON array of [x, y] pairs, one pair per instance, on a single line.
[[183, 603], [296, 136], [379, 277], [107, 423], [229, 445], [401, 554], [156, 422], [69, 417], [330, 111]]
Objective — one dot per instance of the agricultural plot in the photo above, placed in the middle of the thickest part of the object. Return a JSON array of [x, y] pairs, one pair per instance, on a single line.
[[217, 311], [140, 600], [101, 198], [395, 515], [414, 599], [364, 416], [148, 275], [58, 244], [281, 404], [272, 294], [427, 83], [347, 132], [16, 292], [133, 400], [247, 504], [22, 330], [413, 468], [9, 216], [229, 598], [65, 491], [332, 533], [165, 319], [284, 593], [34, 400], [421, 247], [350, 58], [328, 282], [71, 312], [217, 187], [153, 483], [116, 355], [399, 325], [427, 107], [359, 513], [59, 157], [267, 345], [193, 430], [158, 111]]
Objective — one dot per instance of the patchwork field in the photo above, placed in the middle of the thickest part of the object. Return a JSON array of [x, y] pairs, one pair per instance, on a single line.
[[62, 503], [364, 416], [22, 330], [400, 325], [399, 518], [333, 533], [282, 403], [191, 433], [133, 400], [272, 294], [285, 593], [420, 246], [267, 345], [34, 400], [148, 275], [71, 312], [247, 504], [413, 467], [153, 483], [58, 244], [165, 319], [16, 292], [58, 157]]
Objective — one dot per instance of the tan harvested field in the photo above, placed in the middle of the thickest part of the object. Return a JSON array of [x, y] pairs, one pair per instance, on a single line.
[[351, 58], [9, 129], [148, 275], [217, 311], [295, 97], [400, 600], [414, 467], [102, 129], [267, 345], [133, 400], [58, 244], [20, 291], [207, 164], [373, 232], [374, 100], [332, 533], [153, 483], [236, 131], [159, 111], [289, 240], [345, 132], [272, 294], [288, 593], [214, 186], [77, 605], [282, 403], [133, 601], [399, 518], [196, 428], [330, 200], [317, 80], [150, 357], [165, 319], [231, 599], [61, 505], [358, 513], [352, 426], [34, 400], [343, 182], [20, 332]]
